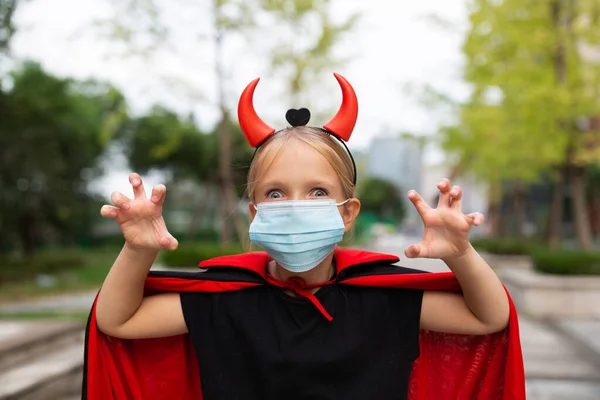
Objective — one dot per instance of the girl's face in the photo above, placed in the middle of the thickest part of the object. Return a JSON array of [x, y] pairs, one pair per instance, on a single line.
[[299, 172]]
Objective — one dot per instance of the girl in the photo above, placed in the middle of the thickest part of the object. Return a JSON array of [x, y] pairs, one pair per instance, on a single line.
[[305, 320]]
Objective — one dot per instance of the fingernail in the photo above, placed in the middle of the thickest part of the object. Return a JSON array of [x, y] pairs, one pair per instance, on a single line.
[[155, 198], [135, 181]]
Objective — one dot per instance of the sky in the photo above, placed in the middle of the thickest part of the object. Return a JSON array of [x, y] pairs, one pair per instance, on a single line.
[[396, 45]]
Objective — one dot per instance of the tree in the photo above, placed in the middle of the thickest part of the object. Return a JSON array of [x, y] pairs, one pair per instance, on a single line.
[[305, 50], [162, 139], [142, 27], [7, 27], [382, 199], [52, 134], [531, 84], [140, 24]]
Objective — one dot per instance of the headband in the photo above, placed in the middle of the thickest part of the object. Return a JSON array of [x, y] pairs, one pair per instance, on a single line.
[[340, 126]]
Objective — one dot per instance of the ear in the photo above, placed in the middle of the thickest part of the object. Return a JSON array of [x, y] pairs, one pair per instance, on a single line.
[[252, 211], [350, 212]]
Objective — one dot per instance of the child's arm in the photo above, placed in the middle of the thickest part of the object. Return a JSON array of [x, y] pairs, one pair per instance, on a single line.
[[483, 306], [481, 309], [122, 310]]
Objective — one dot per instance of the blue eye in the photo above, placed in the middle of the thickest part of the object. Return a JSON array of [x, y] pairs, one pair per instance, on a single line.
[[319, 193], [274, 194]]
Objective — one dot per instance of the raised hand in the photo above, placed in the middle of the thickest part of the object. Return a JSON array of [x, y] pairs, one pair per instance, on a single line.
[[141, 218], [446, 227]]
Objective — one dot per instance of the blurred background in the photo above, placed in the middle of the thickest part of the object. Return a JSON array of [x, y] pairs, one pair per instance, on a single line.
[[500, 96]]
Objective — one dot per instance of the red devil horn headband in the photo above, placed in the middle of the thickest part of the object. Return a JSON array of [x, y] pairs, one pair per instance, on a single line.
[[257, 131]]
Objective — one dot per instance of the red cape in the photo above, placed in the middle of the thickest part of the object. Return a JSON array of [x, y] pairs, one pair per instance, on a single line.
[[450, 367]]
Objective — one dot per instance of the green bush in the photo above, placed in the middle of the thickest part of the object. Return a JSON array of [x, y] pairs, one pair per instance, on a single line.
[[567, 262], [189, 255], [43, 262], [202, 235], [506, 246]]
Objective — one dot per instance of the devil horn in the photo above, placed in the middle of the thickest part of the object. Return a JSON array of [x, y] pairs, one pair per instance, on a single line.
[[343, 123], [254, 128]]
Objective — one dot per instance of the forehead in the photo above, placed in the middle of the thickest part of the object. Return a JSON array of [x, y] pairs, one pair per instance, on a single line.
[[297, 161]]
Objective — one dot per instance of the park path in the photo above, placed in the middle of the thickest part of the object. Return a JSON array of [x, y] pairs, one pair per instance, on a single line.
[[562, 359]]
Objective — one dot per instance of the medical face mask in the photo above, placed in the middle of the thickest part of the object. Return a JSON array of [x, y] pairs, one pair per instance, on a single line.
[[298, 234]]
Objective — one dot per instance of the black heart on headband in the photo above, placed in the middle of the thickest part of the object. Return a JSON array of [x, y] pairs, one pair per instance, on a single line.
[[298, 117]]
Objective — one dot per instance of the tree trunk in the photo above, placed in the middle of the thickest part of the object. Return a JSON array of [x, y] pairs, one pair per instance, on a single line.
[[225, 181], [580, 214], [229, 200], [200, 210], [555, 222], [494, 200], [494, 220], [28, 234], [225, 178], [555, 218], [594, 207], [518, 205], [239, 221]]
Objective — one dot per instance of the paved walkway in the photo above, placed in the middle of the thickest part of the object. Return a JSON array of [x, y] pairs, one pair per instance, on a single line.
[[562, 359], [76, 302]]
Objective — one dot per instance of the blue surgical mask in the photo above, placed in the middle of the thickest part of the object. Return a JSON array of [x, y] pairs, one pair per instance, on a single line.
[[298, 234]]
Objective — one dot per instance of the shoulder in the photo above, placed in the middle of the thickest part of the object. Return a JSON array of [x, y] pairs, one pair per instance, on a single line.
[[380, 269], [386, 281]]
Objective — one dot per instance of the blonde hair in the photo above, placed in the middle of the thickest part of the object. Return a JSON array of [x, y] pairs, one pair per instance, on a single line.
[[327, 146]]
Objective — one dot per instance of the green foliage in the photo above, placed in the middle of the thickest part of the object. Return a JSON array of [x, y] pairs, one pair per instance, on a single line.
[[567, 262], [44, 262], [189, 255], [52, 135], [309, 50], [164, 140], [7, 27], [522, 115], [117, 240], [507, 246], [382, 199], [89, 274]]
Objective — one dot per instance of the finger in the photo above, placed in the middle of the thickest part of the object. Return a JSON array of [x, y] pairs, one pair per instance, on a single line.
[[120, 200], [109, 211], [455, 197], [158, 194], [475, 218], [169, 242], [138, 186], [413, 251], [420, 204], [444, 188]]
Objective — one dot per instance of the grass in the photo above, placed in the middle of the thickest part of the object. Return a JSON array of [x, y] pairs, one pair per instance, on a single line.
[[41, 315], [89, 276]]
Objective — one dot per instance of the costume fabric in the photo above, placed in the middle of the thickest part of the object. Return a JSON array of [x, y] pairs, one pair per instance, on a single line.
[[449, 366]]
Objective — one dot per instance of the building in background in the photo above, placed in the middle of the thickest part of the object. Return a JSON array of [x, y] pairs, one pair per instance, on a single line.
[[475, 193], [398, 160]]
